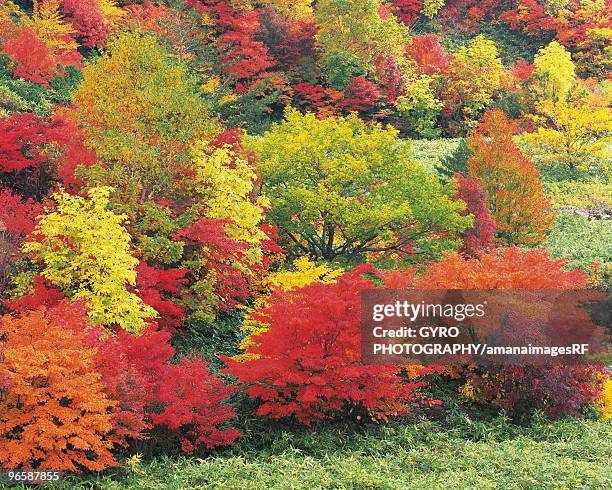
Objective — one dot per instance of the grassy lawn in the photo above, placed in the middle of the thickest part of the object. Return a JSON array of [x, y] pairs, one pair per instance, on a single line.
[[568, 454]]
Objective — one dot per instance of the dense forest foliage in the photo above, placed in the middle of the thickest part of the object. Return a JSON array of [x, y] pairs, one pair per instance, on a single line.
[[194, 194]]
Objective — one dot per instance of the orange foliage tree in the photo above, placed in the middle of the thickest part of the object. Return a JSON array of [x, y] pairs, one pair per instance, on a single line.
[[518, 205], [54, 413], [557, 390], [508, 268]]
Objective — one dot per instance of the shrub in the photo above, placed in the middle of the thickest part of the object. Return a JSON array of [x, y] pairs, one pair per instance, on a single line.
[[16, 222], [307, 363], [156, 287], [481, 236], [85, 251], [55, 412], [192, 404], [560, 390], [151, 391], [557, 390], [604, 401], [506, 268], [305, 272]]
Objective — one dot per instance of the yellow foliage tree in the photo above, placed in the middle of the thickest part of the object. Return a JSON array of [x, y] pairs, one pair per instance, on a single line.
[[576, 136], [432, 7], [294, 9], [224, 182], [110, 10], [146, 141], [85, 251], [476, 74], [48, 24], [554, 71]]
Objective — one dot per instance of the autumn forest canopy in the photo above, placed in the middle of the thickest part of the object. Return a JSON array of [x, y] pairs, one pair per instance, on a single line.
[[194, 194]]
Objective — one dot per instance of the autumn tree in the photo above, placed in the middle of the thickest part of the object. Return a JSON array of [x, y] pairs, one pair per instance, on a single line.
[[224, 185], [25, 166], [362, 96], [429, 54], [351, 34], [92, 19], [339, 189], [511, 181], [222, 241], [407, 10], [297, 9], [55, 412], [573, 136], [306, 364], [146, 142], [84, 250], [242, 54], [161, 289], [554, 72], [481, 236], [418, 108], [474, 78], [431, 7], [54, 30]]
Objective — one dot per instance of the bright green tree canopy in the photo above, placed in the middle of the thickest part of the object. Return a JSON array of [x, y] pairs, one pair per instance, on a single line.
[[340, 188]]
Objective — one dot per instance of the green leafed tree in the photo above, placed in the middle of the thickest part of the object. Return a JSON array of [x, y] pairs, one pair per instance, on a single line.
[[340, 188]]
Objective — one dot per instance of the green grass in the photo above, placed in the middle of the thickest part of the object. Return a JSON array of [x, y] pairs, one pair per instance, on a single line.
[[581, 241], [468, 455], [431, 153]]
